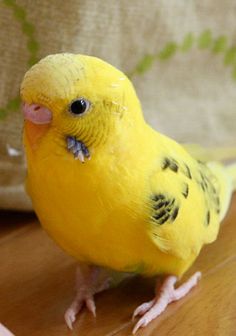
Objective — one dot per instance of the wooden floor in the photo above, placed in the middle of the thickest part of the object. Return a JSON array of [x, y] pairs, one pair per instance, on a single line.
[[37, 285]]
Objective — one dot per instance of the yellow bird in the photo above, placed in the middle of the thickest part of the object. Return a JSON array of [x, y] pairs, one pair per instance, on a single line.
[[110, 190]]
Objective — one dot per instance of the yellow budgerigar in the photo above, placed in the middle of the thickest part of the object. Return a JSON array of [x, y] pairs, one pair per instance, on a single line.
[[109, 189]]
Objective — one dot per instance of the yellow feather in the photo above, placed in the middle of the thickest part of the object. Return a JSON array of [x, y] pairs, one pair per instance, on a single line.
[[109, 210]]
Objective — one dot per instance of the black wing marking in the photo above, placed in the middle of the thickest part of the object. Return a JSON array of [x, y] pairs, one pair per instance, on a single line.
[[170, 163], [199, 173], [185, 191], [164, 209], [207, 182]]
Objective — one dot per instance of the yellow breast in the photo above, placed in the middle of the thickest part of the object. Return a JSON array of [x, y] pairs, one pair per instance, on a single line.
[[91, 209]]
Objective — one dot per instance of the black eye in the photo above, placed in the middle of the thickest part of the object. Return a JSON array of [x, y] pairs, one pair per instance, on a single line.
[[79, 106]]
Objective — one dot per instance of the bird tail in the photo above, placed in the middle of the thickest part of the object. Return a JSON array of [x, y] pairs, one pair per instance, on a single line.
[[231, 169]]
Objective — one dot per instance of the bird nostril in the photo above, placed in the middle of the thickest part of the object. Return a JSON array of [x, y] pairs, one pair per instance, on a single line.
[[37, 107]]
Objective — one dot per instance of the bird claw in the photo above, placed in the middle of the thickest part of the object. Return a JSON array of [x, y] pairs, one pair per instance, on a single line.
[[142, 309], [90, 304], [77, 148], [168, 293], [140, 324], [76, 306], [70, 317], [89, 281]]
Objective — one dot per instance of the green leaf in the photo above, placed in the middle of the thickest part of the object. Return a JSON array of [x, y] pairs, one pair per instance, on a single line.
[[187, 42], [19, 13], [32, 45], [28, 28], [145, 64], [13, 104], [168, 51], [234, 73], [32, 60], [230, 56], [3, 113], [219, 44], [205, 39], [9, 2]]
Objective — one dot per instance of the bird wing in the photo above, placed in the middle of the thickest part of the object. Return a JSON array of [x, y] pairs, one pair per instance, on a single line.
[[184, 206]]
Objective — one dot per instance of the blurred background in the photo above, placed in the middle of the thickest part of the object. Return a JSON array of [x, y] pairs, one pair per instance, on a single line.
[[180, 55]]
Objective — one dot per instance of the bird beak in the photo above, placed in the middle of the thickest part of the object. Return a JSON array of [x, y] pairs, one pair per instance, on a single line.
[[37, 114]]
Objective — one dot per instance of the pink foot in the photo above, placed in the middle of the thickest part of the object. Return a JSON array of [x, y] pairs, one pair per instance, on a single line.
[[168, 294], [4, 331], [75, 307], [88, 283]]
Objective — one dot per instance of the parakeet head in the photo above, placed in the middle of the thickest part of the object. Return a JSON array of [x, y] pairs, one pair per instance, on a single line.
[[80, 96]]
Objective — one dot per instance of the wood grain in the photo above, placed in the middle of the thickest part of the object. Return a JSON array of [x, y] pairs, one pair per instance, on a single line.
[[37, 285]]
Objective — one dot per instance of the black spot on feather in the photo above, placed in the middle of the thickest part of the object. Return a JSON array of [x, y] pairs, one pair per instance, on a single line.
[[203, 186], [164, 209], [171, 164], [161, 204], [214, 190], [204, 182], [174, 167], [160, 214], [166, 163], [185, 192], [164, 219], [217, 200], [201, 162], [208, 183], [158, 197], [208, 218], [175, 213], [188, 172]]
